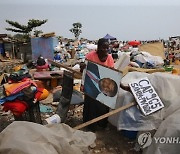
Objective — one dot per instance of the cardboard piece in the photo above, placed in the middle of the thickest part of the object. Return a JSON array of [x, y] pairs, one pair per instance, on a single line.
[[132, 69], [146, 97]]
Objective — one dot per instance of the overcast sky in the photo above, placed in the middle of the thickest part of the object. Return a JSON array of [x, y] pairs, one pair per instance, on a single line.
[[124, 19]]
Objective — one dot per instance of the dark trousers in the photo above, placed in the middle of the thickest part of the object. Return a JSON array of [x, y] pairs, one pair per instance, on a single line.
[[92, 109]]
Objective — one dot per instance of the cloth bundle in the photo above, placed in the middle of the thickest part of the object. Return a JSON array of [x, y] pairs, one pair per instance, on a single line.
[[19, 96]]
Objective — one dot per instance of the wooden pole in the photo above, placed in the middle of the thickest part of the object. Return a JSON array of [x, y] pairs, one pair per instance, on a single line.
[[105, 115], [66, 67]]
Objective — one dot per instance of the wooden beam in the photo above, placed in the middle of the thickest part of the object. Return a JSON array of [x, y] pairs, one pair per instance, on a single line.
[[105, 115], [64, 66]]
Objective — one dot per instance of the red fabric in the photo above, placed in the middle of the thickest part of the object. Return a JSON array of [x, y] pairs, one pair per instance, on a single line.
[[17, 107], [38, 93], [43, 66], [94, 57]]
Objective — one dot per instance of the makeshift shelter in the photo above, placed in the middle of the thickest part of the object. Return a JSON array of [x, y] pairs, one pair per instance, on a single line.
[[44, 47], [109, 37]]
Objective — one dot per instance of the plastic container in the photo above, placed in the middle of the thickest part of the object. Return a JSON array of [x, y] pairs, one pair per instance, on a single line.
[[54, 119]]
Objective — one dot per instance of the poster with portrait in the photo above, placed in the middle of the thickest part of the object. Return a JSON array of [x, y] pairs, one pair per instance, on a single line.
[[102, 83]]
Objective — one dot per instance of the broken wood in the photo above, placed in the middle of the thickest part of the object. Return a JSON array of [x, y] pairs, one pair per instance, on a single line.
[[52, 34], [105, 115], [76, 73]]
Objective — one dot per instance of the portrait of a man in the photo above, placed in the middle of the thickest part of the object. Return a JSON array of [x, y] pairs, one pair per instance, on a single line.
[[102, 83]]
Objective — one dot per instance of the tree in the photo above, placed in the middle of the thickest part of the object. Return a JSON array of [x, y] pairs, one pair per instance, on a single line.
[[76, 30], [25, 29], [37, 32]]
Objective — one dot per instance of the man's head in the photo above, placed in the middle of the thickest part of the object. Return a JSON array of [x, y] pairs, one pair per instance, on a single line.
[[102, 49], [108, 87]]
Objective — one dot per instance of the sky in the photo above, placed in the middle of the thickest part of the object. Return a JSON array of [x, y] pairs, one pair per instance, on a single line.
[[123, 19]]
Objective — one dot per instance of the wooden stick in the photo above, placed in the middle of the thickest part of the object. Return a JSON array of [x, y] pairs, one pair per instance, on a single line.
[[61, 65], [105, 115]]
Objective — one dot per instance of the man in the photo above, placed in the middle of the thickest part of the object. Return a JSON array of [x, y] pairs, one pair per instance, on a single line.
[[92, 107]]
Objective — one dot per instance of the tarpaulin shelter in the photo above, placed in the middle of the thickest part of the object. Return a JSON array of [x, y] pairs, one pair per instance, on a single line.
[[43, 47], [109, 37]]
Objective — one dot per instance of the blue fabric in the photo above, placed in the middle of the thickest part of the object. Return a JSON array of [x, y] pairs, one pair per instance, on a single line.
[[45, 109], [57, 57], [2, 50], [10, 98], [89, 87]]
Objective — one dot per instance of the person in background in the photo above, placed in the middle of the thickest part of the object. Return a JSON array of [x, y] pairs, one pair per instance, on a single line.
[[42, 64], [93, 108]]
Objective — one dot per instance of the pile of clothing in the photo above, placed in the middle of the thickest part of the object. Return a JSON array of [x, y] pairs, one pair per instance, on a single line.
[[145, 60], [20, 92]]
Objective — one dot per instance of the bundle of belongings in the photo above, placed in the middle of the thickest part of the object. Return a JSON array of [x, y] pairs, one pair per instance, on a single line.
[[20, 93], [145, 60]]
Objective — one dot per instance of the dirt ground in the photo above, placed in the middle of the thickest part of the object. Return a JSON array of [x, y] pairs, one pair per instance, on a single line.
[[109, 140]]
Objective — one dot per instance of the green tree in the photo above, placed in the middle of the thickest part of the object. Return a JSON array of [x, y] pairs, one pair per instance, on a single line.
[[76, 30], [19, 37], [37, 32], [25, 29]]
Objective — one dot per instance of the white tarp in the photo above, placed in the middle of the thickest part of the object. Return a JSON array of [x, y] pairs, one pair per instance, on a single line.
[[31, 138], [167, 87], [167, 137]]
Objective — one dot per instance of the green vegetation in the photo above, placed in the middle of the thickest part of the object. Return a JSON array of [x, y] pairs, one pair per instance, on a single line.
[[26, 30], [76, 30]]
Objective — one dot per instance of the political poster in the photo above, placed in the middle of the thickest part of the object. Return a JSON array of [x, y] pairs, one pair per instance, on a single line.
[[102, 83]]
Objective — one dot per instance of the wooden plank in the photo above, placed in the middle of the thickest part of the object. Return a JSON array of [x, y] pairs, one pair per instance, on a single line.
[[48, 34], [48, 74], [66, 67], [105, 115]]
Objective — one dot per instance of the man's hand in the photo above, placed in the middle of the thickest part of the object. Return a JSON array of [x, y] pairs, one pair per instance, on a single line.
[[82, 66]]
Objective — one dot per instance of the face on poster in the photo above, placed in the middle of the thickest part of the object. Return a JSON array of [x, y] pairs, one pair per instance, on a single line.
[[102, 83]]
